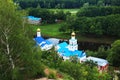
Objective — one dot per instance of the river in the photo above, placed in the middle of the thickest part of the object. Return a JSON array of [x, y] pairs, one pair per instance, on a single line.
[[93, 46]]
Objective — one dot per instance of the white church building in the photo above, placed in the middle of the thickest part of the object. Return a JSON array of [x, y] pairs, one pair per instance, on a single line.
[[40, 41], [67, 50]]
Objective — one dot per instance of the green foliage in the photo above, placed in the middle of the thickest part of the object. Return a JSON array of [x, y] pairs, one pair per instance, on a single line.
[[73, 70], [60, 15], [114, 56], [65, 3], [52, 76], [86, 71], [48, 16], [74, 59], [97, 26], [51, 58], [94, 11], [63, 28], [104, 76], [4, 67], [102, 53], [91, 53], [68, 12], [67, 77], [17, 57], [91, 64]]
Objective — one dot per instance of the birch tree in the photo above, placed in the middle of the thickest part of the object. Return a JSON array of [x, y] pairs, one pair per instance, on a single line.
[[17, 59]]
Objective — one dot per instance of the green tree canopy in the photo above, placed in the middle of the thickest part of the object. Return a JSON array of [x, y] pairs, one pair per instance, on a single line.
[[17, 59], [114, 56]]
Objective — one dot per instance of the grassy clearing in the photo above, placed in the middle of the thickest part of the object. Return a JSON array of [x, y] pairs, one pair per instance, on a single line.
[[72, 11], [52, 30]]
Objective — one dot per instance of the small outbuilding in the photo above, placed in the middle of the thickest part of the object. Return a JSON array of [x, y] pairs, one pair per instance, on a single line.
[[34, 20], [101, 63]]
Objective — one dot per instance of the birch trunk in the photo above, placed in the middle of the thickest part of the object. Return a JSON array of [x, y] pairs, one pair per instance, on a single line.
[[6, 43]]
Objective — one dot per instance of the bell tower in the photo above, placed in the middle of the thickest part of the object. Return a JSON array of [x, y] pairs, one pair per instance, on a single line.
[[38, 32], [73, 43]]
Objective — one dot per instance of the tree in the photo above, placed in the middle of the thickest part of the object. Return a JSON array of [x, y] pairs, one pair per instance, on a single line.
[[73, 70], [57, 6], [63, 28], [114, 54], [85, 5], [46, 15], [17, 59], [38, 6], [102, 52], [74, 59], [91, 64], [100, 3], [60, 15], [86, 71], [94, 11], [65, 3], [51, 58]]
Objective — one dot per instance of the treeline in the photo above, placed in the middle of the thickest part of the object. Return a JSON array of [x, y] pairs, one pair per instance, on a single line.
[[64, 3], [95, 21], [47, 15], [97, 26], [93, 11]]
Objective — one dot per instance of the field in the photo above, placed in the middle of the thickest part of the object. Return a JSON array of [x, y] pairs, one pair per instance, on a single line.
[[72, 11], [48, 29], [52, 30]]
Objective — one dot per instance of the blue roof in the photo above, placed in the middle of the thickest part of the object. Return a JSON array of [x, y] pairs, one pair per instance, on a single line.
[[34, 18], [66, 52], [38, 39], [63, 45]]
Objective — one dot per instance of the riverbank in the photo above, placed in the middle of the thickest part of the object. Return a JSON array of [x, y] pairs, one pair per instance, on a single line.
[[52, 30]]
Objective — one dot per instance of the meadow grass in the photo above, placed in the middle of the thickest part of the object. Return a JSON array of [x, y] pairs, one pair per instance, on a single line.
[[51, 30]]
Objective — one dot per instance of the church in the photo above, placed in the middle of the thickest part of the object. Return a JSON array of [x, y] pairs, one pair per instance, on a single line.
[[40, 41], [67, 50]]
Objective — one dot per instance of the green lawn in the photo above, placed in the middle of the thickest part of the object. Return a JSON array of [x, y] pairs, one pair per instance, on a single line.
[[52, 30]]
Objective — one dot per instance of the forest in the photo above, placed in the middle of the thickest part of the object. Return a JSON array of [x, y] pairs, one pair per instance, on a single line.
[[20, 59], [65, 3]]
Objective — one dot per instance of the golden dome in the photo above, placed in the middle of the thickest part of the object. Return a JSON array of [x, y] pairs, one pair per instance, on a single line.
[[73, 33], [38, 29]]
